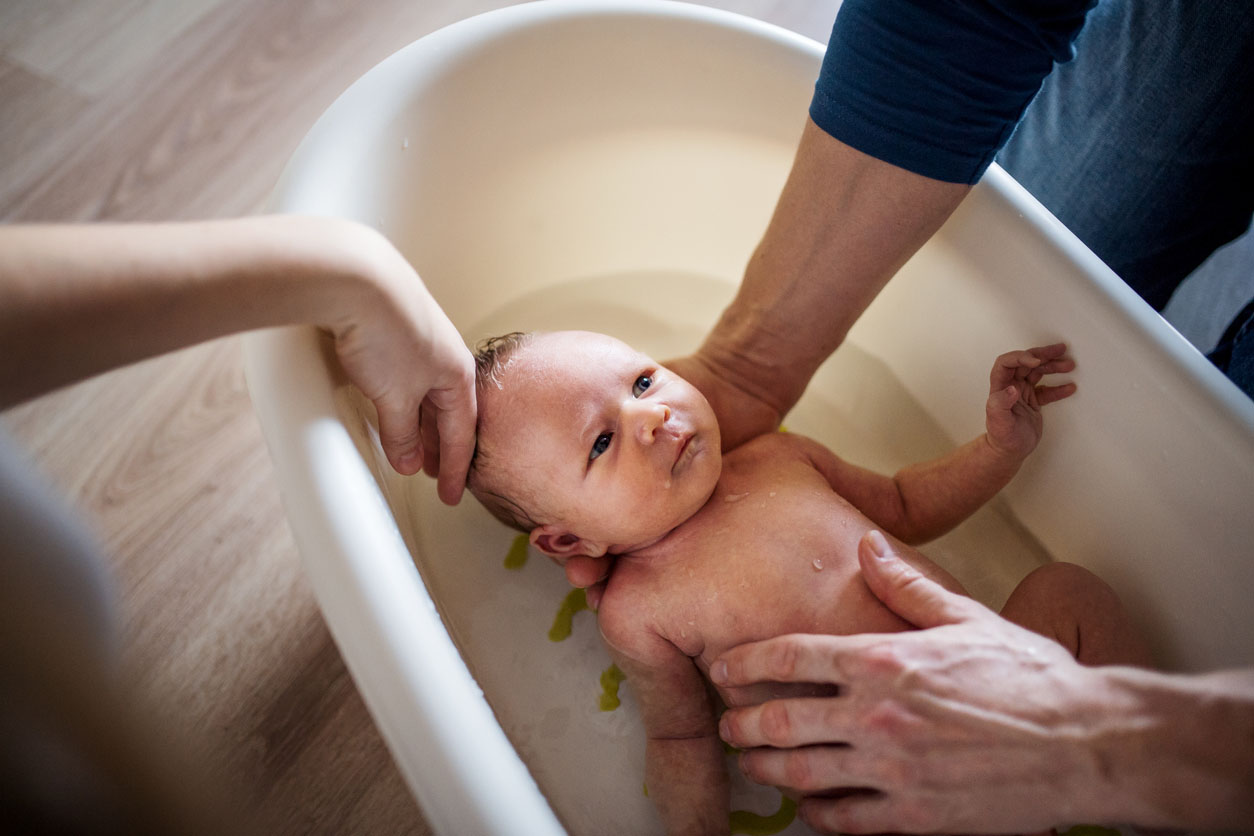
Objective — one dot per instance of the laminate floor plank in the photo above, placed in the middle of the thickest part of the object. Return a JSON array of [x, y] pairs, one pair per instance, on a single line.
[[208, 134], [93, 46], [32, 139]]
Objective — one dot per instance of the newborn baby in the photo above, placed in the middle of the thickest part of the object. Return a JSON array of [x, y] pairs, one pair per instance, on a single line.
[[595, 449]]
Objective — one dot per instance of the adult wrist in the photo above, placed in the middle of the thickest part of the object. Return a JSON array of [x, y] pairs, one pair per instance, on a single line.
[[1172, 751], [345, 271], [750, 350]]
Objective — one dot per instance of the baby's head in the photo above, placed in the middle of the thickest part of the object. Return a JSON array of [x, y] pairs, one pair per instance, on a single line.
[[587, 444]]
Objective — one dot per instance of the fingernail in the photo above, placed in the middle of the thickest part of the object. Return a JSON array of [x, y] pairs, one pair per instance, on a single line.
[[879, 546], [718, 673], [724, 728]]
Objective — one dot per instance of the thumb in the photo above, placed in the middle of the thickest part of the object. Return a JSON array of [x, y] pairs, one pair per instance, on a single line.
[[907, 591]]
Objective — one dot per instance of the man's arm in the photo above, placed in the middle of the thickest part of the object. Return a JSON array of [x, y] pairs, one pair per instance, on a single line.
[[685, 774], [844, 224], [76, 300]]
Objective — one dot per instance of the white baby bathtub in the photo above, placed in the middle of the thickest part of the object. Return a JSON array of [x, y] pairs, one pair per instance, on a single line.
[[610, 165]]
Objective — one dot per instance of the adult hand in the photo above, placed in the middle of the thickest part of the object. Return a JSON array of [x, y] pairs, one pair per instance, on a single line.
[[590, 574], [977, 725], [76, 300], [400, 349]]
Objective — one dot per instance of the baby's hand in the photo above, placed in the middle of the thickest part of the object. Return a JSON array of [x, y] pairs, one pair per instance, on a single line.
[[1013, 413]]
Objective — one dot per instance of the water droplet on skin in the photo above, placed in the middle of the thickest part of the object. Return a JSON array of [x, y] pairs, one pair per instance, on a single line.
[[817, 564], [735, 497]]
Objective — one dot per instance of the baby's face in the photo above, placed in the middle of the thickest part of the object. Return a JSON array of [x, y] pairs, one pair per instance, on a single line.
[[604, 444]]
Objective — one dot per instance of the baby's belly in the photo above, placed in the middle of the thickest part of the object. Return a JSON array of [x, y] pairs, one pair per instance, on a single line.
[[808, 581]]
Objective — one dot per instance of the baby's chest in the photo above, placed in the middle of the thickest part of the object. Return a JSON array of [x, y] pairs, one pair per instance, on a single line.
[[773, 558]]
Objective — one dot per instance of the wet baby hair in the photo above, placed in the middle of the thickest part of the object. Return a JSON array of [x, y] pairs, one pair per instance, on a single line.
[[492, 356]]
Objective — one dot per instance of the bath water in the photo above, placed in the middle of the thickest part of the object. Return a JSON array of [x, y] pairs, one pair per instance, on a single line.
[[547, 690]]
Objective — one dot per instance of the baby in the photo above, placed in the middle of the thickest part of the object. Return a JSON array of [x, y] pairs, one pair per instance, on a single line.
[[596, 449]]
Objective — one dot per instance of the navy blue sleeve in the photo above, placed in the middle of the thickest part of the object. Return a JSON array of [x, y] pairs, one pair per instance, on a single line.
[[937, 86]]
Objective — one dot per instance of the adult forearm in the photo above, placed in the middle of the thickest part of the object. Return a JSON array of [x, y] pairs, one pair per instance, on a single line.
[[1178, 750], [80, 299], [844, 224]]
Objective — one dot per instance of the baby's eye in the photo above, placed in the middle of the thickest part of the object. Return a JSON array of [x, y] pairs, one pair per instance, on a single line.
[[643, 382], [600, 445]]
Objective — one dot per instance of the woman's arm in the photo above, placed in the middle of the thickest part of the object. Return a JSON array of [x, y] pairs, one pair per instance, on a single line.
[[78, 300]]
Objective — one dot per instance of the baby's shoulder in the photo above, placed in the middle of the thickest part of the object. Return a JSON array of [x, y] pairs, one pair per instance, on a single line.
[[624, 613], [774, 446]]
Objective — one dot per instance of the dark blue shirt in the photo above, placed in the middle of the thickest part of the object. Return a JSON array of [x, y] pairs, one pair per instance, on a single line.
[[937, 86]]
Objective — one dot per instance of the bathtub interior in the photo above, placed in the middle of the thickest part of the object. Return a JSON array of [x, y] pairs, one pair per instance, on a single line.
[[610, 167]]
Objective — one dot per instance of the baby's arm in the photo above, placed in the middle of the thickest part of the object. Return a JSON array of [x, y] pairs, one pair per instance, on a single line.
[[684, 769], [923, 501]]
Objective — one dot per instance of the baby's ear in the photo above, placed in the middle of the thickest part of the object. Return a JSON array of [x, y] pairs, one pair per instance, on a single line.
[[560, 544]]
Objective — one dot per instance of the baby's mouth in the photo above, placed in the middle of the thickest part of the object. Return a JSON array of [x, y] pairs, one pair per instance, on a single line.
[[681, 455]]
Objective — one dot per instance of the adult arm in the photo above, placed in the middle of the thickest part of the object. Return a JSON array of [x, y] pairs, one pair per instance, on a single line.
[[78, 300], [913, 101], [908, 112], [844, 224], [977, 725]]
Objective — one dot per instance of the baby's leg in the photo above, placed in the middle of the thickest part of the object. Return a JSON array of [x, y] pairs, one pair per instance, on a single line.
[[1071, 605]]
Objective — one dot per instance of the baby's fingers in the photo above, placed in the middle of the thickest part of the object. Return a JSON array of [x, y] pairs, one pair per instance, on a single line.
[[1012, 366], [1030, 364], [1060, 365], [1048, 352], [1049, 394]]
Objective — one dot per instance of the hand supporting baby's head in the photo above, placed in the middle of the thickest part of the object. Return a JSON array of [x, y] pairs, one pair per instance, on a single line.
[[587, 444]]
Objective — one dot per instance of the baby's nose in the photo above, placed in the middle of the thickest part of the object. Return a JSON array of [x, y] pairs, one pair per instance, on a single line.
[[650, 417]]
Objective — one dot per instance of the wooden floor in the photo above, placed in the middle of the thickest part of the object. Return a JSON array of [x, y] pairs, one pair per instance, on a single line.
[[178, 109]]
